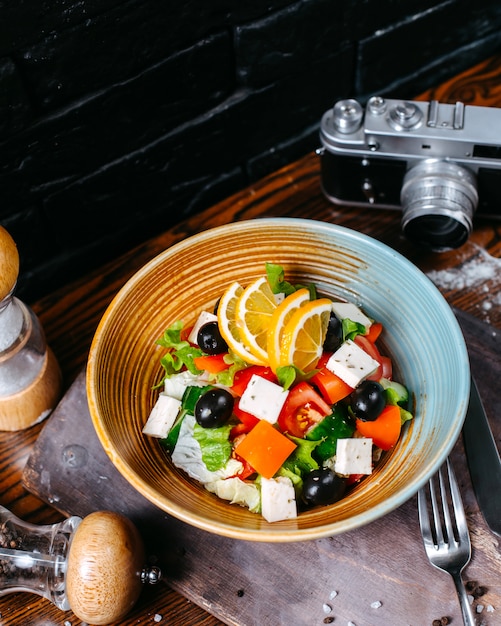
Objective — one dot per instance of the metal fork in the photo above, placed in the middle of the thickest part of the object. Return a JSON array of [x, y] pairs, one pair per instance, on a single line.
[[447, 542]]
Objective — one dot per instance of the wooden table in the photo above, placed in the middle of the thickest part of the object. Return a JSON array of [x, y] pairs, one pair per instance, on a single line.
[[469, 278]]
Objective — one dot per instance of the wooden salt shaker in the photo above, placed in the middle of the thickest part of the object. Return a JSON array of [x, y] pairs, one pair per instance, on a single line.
[[30, 378]]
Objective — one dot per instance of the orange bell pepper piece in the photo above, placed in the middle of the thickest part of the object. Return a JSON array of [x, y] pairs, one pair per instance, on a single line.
[[265, 449], [212, 364], [385, 430]]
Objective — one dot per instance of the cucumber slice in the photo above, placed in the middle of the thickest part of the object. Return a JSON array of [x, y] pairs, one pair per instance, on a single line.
[[396, 393]]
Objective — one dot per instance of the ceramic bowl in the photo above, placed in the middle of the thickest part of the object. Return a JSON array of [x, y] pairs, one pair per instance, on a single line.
[[421, 334]]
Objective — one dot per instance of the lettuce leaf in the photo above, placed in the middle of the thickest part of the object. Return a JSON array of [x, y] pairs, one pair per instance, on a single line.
[[276, 279], [181, 353], [214, 444], [351, 329], [301, 461]]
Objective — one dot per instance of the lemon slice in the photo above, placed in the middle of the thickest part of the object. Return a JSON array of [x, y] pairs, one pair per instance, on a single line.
[[281, 315], [228, 327], [254, 310], [304, 335]]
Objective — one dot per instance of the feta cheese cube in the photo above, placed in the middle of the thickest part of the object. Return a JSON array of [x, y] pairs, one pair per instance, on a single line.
[[278, 499], [351, 363], [162, 416], [353, 456], [203, 318], [348, 310], [263, 399]]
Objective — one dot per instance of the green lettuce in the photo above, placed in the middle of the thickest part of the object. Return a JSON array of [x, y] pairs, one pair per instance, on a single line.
[[351, 329], [276, 279], [301, 461], [214, 444], [181, 353]]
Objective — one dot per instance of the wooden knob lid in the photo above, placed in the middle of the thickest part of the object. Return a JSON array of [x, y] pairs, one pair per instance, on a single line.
[[9, 263], [103, 579]]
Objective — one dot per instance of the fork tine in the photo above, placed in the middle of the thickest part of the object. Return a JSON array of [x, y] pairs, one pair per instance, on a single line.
[[452, 552], [457, 502], [424, 517], [436, 510]]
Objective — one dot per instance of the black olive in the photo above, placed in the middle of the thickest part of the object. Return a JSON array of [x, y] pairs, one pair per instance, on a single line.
[[323, 486], [334, 335], [210, 340], [368, 400], [214, 408]]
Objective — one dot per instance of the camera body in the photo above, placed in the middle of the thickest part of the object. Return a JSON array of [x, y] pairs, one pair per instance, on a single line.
[[436, 162]]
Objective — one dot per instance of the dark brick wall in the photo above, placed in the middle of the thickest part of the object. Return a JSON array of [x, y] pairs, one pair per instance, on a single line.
[[118, 119]]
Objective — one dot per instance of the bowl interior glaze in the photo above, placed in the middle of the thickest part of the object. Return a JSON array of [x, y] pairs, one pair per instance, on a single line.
[[421, 334]]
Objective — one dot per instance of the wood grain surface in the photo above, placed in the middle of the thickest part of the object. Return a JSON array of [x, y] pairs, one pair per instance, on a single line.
[[470, 279]]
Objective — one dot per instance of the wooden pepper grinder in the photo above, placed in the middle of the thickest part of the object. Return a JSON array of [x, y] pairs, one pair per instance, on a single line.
[[94, 566], [30, 378], [106, 568]]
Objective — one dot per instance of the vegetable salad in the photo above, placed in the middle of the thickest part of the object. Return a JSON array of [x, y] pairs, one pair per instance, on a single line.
[[291, 416]]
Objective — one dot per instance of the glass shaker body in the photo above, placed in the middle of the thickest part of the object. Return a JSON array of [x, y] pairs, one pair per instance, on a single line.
[[30, 378], [34, 558]]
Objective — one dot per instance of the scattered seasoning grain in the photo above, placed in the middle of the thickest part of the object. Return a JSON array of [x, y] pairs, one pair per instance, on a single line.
[[476, 590], [240, 593], [326, 608], [332, 594], [376, 604], [443, 621], [328, 620], [157, 618]]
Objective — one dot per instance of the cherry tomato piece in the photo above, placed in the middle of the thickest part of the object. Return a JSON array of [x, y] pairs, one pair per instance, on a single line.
[[303, 408]]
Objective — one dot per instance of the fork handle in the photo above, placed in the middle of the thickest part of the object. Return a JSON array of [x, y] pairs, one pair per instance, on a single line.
[[466, 610]]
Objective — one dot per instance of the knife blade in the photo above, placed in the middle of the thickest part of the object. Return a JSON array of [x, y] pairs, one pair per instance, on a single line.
[[483, 460]]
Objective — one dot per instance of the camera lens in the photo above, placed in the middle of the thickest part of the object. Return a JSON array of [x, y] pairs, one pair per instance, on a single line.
[[438, 201]]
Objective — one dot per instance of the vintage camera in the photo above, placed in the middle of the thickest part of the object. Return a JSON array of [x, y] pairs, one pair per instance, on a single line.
[[438, 163]]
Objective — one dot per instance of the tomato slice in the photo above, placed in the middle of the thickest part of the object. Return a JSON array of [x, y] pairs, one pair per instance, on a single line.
[[242, 377], [303, 408], [247, 422], [373, 352], [387, 368], [355, 478], [374, 331], [247, 470], [185, 333], [332, 388]]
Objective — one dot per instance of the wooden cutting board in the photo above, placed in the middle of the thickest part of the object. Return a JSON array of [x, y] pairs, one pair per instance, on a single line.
[[377, 575]]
